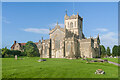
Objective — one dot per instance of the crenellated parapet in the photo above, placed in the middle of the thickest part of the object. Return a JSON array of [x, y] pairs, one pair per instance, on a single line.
[[73, 17]]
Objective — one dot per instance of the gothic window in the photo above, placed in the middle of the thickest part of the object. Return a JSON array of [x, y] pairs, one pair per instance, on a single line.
[[68, 47], [71, 25], [68, 24], [57, 44], [80, 24], [75, 23]]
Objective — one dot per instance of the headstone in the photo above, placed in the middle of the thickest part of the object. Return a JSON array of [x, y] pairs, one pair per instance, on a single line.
[[105, 60], [15, 57], [100, 60], [82, 59], [40, 60], [111, 56], [93, 61], [99, 71]]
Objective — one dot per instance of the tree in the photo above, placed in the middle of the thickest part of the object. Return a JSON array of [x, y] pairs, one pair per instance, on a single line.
[[115, 50], [0, 53], [103, 51], [31, 49], [5, 52], [119, 50], [15, 52], [108, 51]]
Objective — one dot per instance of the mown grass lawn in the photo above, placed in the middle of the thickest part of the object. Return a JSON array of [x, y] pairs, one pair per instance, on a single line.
[[113, 60], [55, 68]]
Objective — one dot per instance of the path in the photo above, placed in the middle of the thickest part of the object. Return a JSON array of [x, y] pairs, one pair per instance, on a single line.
[[111, 62]]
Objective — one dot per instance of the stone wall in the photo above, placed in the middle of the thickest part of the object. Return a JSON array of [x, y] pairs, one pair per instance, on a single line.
[[17, 47], [86, 48], [45, 49], [71, 48], [57, 43]]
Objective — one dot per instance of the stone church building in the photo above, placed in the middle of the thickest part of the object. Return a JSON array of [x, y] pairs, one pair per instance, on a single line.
[[67, 42]]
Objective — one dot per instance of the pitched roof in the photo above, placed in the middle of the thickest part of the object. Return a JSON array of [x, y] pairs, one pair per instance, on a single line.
[[57, 27], [36, 43], [21, 44], [12, 45]]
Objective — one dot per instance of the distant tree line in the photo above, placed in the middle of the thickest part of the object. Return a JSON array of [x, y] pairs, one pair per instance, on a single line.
[[115, 51], [30, 50]]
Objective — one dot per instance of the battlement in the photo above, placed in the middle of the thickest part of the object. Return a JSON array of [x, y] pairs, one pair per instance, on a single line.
[[72, 17]]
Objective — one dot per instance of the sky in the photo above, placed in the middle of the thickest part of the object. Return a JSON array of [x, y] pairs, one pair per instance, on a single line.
[[29, 21]]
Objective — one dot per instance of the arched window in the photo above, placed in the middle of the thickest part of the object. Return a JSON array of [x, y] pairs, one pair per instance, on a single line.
[[71, 25], [68, 24], [75, 24]]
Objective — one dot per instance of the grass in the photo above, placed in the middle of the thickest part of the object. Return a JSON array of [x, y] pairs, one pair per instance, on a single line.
[[113, 60], [0, 68], [55, 68]]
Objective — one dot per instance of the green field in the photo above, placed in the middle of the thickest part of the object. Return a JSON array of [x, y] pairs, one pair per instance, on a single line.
[[55, 68]]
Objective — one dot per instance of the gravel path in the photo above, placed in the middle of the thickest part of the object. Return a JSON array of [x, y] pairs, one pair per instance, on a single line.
[[112, 62]]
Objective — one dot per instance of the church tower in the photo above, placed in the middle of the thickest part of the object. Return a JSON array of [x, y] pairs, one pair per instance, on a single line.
[[74, 24]]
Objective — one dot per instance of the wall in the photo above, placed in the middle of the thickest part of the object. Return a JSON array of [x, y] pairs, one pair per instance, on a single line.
[[17, 47], [85, 48], [57, 44]]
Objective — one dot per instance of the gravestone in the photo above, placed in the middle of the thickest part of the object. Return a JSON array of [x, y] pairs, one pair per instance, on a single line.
[[99, 71], [105, 60], [40, 60], [15, 57]]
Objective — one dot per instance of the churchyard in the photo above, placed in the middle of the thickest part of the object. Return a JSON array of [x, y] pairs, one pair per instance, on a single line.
[[29, 67]]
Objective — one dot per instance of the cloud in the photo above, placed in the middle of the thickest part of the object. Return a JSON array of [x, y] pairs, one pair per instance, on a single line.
[[101, 29], [109, 39], [36, 30], [5, 20]]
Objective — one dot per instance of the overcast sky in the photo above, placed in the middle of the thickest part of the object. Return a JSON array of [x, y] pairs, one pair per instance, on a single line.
[[30, 21]]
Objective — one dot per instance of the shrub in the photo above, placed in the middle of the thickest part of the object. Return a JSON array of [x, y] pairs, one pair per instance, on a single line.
[[31, 49]]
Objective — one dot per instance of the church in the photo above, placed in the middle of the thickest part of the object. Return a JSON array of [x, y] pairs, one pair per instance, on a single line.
[[67, 42]]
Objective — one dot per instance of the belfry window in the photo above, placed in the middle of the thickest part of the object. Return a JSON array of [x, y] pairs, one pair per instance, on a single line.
[[68, 24], [71, 25], [75, 23]]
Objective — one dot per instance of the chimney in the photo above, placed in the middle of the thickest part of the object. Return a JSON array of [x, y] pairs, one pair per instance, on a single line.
[[39, 40], [14, 42]]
